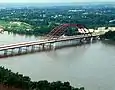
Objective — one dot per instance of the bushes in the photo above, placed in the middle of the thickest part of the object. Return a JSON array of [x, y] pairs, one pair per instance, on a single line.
[[109, 35], [19, 81]]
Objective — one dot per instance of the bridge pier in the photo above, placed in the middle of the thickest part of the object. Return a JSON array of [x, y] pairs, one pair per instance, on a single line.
[[95, 38], [54, 46], [19, 50], [5, 52], [30, 47], [12, 52], [65, 43], [43, 47], [27, 49], [81, 41], [40, 48], [50, 46], [88, 40]]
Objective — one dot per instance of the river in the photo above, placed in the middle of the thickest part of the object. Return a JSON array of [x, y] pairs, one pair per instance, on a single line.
[[91, 65]]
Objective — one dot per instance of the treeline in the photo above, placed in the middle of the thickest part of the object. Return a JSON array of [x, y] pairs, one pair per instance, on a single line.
[[17, 80], [37, 31], [109, 35], [43, 20]]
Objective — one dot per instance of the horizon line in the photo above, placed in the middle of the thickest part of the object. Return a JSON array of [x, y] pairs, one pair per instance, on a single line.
[[59, 2]]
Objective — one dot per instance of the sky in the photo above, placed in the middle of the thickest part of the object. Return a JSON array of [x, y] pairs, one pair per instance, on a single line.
[[52, 1]]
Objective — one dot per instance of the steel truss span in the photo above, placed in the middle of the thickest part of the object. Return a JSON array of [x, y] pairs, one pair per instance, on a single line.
[[60, 30]]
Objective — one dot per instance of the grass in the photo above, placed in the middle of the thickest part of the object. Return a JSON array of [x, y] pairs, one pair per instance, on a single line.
[[14, 26]]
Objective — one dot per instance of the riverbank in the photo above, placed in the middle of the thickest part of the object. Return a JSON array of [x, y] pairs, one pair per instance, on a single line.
[[23, 28], [110, 35], [9, 79]]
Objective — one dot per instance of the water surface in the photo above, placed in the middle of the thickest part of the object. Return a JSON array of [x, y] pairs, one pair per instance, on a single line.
[[91, 65]]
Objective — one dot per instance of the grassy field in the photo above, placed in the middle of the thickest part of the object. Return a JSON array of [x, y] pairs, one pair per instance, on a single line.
[[15, 25]]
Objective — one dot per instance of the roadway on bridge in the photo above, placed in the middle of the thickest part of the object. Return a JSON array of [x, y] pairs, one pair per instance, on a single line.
[[25, 44]]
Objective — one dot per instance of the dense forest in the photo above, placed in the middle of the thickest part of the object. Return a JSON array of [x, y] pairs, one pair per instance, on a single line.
[[17, 80], [40, 21]]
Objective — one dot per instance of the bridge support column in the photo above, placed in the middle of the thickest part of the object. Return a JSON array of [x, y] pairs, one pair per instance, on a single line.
[[88, 40], [39, 48], [27, 49], [94, 38], [50, 46], [81, 41], [20, 50], [54, 46], [12, 51], [33, 48], [47, 46], [5, 52], [43, 47]]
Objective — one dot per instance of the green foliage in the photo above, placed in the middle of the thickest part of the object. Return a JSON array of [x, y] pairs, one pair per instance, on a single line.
[[109, 35], [40, 21], [19, 81]]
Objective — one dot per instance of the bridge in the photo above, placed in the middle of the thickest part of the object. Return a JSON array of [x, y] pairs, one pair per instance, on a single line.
[[53, 40]]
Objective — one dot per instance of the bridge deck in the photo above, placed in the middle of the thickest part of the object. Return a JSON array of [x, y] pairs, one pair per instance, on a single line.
[[26, 44]]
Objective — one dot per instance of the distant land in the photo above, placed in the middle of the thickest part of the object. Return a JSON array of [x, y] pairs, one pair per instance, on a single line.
[[22, 5]]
